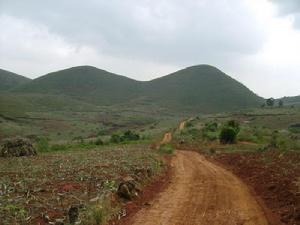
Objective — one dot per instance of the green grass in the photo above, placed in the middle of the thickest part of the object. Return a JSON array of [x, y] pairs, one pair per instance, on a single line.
[[166, 149]]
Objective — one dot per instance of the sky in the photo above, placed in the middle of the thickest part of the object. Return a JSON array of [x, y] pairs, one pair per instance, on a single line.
[[256, 42]]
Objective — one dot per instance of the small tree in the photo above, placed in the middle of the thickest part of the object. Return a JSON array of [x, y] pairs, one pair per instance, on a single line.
[[228, 135], [229, 132], [270, 102], [280, 103]]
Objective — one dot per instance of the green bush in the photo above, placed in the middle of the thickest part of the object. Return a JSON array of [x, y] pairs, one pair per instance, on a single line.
[[189, 124], [115, 138], [99, 142], [211, 126], [233, 124], [126, 136], [228, 135], [166, 149], [294, 128], [130, 136]]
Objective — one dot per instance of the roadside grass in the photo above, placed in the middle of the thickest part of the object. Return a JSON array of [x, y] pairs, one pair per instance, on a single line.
[[166, 149]]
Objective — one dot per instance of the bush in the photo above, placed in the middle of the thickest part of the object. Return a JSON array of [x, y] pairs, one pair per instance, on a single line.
[[115, 138], [234, 124], [228, 135], [166, 149], [294, 128], [126, 136], [189, 124], [99, 142], [210, 131], [130, 136], [211, 126]]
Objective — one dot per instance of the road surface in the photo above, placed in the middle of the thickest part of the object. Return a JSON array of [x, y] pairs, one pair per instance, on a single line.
[[201, 193]]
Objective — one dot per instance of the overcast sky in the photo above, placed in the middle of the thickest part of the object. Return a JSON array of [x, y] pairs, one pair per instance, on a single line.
[[255, 41]]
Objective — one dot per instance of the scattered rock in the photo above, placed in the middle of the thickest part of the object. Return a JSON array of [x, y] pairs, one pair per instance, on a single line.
[[17, 147], [128, 188], [73, 214]]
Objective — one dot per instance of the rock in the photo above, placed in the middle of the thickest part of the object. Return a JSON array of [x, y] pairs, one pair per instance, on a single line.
[[73, 214], [17, 147], [128, 188]]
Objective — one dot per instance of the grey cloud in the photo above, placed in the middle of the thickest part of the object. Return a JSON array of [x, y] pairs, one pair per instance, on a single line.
[[289, 7], [170, 31]]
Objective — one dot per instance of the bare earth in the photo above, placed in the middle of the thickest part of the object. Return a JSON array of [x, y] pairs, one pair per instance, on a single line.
[[167, 138], [201, 193]]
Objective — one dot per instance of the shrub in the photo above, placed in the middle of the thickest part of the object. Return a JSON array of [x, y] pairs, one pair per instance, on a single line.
[[295, 128], [166, 149], [99, 142], [130, 136], [188, 124], [211, 126], [115, 138], [234, 124], [228, 135], [126, 136]]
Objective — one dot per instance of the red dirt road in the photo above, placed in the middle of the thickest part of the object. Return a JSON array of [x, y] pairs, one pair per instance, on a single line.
[[201, 193]]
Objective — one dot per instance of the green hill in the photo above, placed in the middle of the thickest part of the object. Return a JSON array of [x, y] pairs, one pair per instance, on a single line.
[[294, 100], [84, 82], [200, 88], [9, 80]]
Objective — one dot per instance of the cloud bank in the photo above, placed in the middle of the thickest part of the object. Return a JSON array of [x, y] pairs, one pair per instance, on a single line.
[[145, 39]]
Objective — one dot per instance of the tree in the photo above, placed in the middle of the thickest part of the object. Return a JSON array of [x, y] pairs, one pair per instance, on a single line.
[[270, 102], [228, 135], [280, 103], [229, 132]]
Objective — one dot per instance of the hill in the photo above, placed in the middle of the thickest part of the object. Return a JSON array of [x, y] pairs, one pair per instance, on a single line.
[[291, 100], [200, 88], [84, 82], [9, 80]]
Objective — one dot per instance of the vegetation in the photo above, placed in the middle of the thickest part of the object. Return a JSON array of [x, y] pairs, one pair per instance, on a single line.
[[166, 149], [48, 184], [187, 89], [9, 80]]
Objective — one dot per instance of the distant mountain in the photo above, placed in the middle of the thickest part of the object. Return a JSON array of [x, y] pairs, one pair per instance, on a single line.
[[9, 80], [200, 88], [84, 82], [291, 100]]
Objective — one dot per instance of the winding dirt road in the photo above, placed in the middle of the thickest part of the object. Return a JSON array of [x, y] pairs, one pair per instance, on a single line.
[[201, 193]]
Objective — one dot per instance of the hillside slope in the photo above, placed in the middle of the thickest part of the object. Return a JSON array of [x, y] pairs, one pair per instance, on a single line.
[[291, 100], [200, 88], [84, 82], [9, 80], [203, 88]]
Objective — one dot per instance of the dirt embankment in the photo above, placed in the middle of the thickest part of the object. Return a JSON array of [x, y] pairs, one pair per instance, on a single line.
[[274, 176], [201, 192]]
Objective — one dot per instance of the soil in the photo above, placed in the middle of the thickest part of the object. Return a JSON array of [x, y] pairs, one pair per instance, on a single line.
[[167, 138], [274, 176], [200, 192]]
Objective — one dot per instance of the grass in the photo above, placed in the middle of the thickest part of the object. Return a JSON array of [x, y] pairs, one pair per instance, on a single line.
[[166, 149], [257, 128]]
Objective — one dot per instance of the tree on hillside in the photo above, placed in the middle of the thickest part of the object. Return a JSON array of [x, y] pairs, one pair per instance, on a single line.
[[280, 103], [270, 102]]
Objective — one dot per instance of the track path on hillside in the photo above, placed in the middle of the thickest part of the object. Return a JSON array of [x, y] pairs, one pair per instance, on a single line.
[[201, 193]]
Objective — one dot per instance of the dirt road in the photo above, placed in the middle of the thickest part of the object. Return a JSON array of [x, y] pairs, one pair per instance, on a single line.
[[201, 193], [167, 138]]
